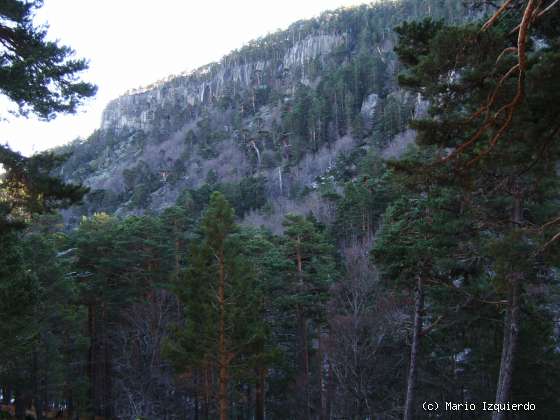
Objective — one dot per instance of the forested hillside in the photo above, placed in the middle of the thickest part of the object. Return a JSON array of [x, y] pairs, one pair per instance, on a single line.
[[276, 118], [348, 219]]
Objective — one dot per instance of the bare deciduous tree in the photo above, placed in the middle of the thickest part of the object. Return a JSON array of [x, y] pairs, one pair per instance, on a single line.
[[365, 321]]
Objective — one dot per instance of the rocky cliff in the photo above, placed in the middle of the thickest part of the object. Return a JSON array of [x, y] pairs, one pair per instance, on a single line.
[[141, 109]]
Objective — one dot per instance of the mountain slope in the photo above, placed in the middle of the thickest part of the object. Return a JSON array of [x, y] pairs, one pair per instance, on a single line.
[[269, 122]]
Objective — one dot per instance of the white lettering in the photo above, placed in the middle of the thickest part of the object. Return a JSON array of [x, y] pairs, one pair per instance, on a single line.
[[453, 406], [500, 407]]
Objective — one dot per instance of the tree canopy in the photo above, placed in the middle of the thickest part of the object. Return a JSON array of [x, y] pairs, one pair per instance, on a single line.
[[42, 78], [38, 75]]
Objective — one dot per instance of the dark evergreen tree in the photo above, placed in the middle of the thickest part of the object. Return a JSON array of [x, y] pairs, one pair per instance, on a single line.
[[222, 319], [493, 121], [306, 287], [121, 263], [43, 345], [40, 77]]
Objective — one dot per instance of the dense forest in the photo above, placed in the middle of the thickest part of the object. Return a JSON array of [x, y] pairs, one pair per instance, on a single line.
[[369, 234]]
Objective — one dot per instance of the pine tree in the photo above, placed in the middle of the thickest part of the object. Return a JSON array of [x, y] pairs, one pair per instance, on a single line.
[[420, 235], [220, 298], [41, 325], [40, 77], [364, 201], [121, 263], [36, 74], [27, 187], [56, 360], [308, 280], [493, 119], [19, 294], [265, 255]]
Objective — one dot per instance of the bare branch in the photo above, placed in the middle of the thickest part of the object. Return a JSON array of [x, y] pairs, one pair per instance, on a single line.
[[528, 17], [547, 9], [554, 239]]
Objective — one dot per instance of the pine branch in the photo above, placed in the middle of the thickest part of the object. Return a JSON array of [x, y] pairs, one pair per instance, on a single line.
[[511, 107]]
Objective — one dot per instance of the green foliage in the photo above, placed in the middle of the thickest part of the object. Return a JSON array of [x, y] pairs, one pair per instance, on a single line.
[[41, 319], [245, 195], [36, 74], [27, 187], [364, 200], [216, 257], [463, 221], [392, 117], [121, 277], [414, 39], [139, 174], [41, 78], [103, 201], [312, 268], [292, 316], [140, 196], [419, 236]]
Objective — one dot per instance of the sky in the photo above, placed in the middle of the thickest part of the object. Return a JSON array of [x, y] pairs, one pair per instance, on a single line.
[[132, 43]]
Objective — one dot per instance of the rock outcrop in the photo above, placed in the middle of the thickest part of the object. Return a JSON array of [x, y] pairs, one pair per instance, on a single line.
[[141, 110]]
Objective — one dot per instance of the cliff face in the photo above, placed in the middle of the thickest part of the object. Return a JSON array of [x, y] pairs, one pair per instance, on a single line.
[[283, 112], [140, 110]]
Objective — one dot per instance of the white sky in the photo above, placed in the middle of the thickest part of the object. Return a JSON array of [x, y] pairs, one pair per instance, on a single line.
[[132, 43]]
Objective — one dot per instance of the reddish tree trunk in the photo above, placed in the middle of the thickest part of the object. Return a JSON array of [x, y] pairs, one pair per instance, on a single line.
[[223, 362], [260, 393], [92, 354], [322, 390], [303, 362], [107, 381], [206, 409], [302, 348]]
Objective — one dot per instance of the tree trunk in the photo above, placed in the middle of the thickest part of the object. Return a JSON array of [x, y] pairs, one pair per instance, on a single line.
[[280, 180], [336, 124], [511, 327], [254, 144], [322, 390], [107, 381], [70, 406], [260, 393], [247, 406], [93, 358], [412, 370], [6, 394], [330, 389], [206, 408], [509, 347], [20, 405], [196, 400], [45, 392], [303, 362], [67, 392], [222, 351], [302, 349], [37, 400]]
